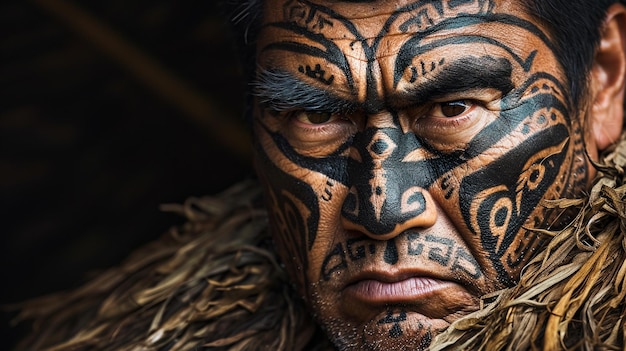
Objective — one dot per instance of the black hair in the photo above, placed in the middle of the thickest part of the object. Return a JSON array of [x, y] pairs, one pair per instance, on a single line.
[[244, 17], [574, 25]]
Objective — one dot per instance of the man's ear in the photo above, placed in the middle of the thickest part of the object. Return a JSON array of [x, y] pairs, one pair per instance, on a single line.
[[607, 80]]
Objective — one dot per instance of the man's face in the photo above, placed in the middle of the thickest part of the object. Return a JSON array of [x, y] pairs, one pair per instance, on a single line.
[[406, 147]]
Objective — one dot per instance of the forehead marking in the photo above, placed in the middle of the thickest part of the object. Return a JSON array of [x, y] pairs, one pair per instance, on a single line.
[[421, 18]]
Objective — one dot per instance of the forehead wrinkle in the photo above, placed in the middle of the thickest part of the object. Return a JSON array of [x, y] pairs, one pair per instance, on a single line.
[[394, 50], [361, 58]]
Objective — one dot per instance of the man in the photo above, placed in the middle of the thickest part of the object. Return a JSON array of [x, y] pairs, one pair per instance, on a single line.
[[410, 153], [406, 148]]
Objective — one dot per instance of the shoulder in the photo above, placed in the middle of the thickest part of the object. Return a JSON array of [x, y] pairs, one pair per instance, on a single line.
[[211, 282]]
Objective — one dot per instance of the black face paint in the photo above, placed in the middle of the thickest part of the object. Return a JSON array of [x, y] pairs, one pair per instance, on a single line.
[[391, 252], [379, 161], [440, 250], [395, 196], [394, 319]]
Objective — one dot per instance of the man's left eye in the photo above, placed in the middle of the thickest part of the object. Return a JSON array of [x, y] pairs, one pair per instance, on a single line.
[[311, 117], [450, 109]]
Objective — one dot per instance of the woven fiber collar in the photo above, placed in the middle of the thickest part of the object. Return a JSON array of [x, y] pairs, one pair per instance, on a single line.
[[571, 295], [215, 284], [211, 284]]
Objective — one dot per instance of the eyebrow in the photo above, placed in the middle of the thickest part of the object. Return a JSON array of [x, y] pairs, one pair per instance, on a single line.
[[461, 75], [280, 91]]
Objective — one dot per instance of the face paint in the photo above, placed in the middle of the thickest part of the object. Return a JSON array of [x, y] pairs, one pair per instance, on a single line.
[[405, 154]]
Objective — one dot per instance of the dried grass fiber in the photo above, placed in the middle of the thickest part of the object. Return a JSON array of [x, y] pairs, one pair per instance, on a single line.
[[211, 284], [215, 284], [571, 295]]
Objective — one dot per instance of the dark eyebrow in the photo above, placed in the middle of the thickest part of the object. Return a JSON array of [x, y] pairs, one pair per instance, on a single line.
[[463, 75], [280, 91]]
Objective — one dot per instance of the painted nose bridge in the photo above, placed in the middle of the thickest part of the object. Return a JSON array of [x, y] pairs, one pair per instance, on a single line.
[[385, 197]]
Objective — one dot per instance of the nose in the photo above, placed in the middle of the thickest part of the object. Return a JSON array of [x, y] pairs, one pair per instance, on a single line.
[[387, 191]]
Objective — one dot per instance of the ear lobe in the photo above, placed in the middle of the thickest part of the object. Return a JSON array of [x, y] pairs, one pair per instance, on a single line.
[[608, 79]]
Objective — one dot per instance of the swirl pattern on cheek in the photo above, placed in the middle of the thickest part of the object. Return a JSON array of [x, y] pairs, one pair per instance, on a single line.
[[294, 218]]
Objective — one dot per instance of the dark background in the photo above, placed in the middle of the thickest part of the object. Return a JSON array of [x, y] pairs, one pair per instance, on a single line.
[[108, 109]]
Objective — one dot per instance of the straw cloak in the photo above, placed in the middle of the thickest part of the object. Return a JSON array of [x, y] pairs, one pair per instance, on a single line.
[[215, 283]]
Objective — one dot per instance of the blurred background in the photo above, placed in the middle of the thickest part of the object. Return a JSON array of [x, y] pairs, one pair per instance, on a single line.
[[108, 109]]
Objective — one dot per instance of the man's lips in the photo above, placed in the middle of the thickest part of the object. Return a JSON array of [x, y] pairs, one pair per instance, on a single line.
[[413, 290], [432, 296]]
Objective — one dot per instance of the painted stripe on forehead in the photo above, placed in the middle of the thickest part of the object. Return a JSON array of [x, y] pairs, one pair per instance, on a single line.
[[350, 26], [488, 5], [461, 75], [332, 53], [412, 48], [466, 20]]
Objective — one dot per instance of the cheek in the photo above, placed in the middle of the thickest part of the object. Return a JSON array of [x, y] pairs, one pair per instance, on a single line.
[[292, 220], [302, 207], [500, 196], [304, 231], [565, 175]]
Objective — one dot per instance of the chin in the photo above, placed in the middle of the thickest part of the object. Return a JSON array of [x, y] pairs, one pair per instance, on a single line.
[[385, 332]]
